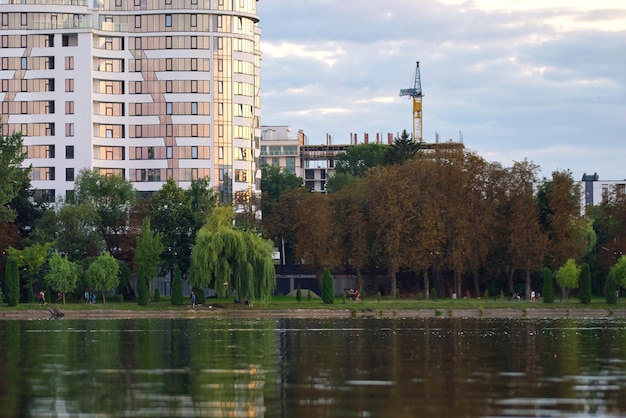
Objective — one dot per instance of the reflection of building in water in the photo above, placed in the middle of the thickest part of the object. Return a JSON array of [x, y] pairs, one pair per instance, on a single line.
[[146, 89], [315, 163]]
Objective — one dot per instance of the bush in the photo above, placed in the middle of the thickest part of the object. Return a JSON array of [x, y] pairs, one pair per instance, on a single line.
[[299, 293], [200, 299], [328, 288], [378, 296], [142, 288], [177, 288], [12, 282], [610, 290], [433, 294], [548, 287], [157, 295], [585, 285], [420, 296], [308, 296], [486, 294]]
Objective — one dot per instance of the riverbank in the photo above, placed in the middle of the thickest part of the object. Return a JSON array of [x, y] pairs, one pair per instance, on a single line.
[[57, 312]]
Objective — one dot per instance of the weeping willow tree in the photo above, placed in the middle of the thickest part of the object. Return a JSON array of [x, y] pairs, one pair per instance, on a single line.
[[232, 260]]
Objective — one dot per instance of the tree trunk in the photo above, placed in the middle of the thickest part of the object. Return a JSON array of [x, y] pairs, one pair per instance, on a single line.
[[527, 284], [476, 286], [104, 299], [392, 275], [426, 285], [511, 274]]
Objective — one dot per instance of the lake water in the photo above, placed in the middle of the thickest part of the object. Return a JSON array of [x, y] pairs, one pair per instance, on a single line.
[[362, 367]]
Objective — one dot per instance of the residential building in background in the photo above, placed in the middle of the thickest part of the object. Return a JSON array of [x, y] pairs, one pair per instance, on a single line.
[[146, 89], [595, 191]]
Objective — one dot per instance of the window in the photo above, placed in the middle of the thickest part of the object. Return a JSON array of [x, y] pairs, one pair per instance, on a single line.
[[169, 129], [69, 174], [168, 108], [50, 63], [194, 21], [69, 131], [69, 107], [168, 42], [138, 109], [69, 152], [194, 130], [5, 63], [24, 85], [168, 64], [151, 153], [168, 21], [69, 84], [194, 64], [50, 84], [168, 86], [108, 43], [24, 108], [194, 86], [24, 19], [194, 108], [194, 42], [137, 43], [5, 88], [5, 41], [69, 63], [138, 131], [137, 65], [23, 41], [24, 63], [194, 152], [169, 152], [138, 21], [220, 108], [137, 87], [118, 3]]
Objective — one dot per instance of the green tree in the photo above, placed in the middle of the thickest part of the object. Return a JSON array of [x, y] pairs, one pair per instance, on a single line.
[[618, 271], [63, 274], [142, 287], [356, 160], [402, 150], [177, 288], [30, 260], [610, 289], [299, 293], [112, 197], [328, 288], [567, 276], [12, 282], [548, 287], [148, 253], [275, 180], [585, 285], [103, 274], [230, 259], [12, 176]]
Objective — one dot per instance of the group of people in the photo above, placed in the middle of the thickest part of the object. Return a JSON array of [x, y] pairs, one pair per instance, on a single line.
[[90, 297], [354, 295]]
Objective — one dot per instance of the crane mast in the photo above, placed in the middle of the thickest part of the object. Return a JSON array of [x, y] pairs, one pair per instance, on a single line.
[[415, 93]]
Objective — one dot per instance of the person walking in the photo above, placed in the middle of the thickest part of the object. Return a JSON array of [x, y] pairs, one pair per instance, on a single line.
[[193, 299], [42, 297]]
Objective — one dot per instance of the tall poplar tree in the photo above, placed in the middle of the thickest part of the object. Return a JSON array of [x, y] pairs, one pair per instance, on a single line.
[[12, 282], [148, 253]]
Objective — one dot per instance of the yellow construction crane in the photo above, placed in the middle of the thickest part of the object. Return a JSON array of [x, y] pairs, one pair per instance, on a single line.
[[416, 93]]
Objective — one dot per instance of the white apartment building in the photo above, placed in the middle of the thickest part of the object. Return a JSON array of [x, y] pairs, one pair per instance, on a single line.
[[146, 89], [595, 191]]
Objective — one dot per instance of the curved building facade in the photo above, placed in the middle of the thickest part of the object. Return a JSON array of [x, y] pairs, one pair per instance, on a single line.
[[146, 89]]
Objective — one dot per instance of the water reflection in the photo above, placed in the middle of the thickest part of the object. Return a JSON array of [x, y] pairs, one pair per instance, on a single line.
[[310, 368]]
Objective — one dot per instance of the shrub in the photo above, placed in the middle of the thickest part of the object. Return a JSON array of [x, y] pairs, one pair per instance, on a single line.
[[548, 287], [177, 288], [308, 296], [610, 290], [328, 292], [420, 296], [12, 282], [433, 294], [142, 288], [378, 296], [299, 293], [585, 285], [486, 294], [157, 295]]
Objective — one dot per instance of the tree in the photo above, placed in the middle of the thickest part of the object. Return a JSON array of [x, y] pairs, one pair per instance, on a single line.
[[274, 181], [148, 253], [567, 276], [12, 176], [232, 260], [63, 274], [618, 271], [356, 160], [177, 288], [328, 288], [12, 282], [112, 197], [30, 260], [548, 288], [585, 285], [103, 274], [142, 287], [402, 150], [610, 290]]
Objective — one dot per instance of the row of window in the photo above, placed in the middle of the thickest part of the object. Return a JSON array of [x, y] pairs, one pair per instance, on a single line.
[[279, 150], [238, 5], [151, 153], [165, 64]]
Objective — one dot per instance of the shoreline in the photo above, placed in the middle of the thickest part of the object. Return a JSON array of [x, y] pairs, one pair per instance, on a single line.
[[217, 313]]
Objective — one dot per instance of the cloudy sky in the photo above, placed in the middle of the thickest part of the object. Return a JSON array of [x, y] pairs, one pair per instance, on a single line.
[[543, 80]]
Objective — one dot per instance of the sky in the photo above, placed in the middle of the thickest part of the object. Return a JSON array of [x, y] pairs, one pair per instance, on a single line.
[[515, 79]]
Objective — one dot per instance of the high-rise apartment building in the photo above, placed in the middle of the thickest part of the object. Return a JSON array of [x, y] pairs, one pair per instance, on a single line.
[[146, 89]]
